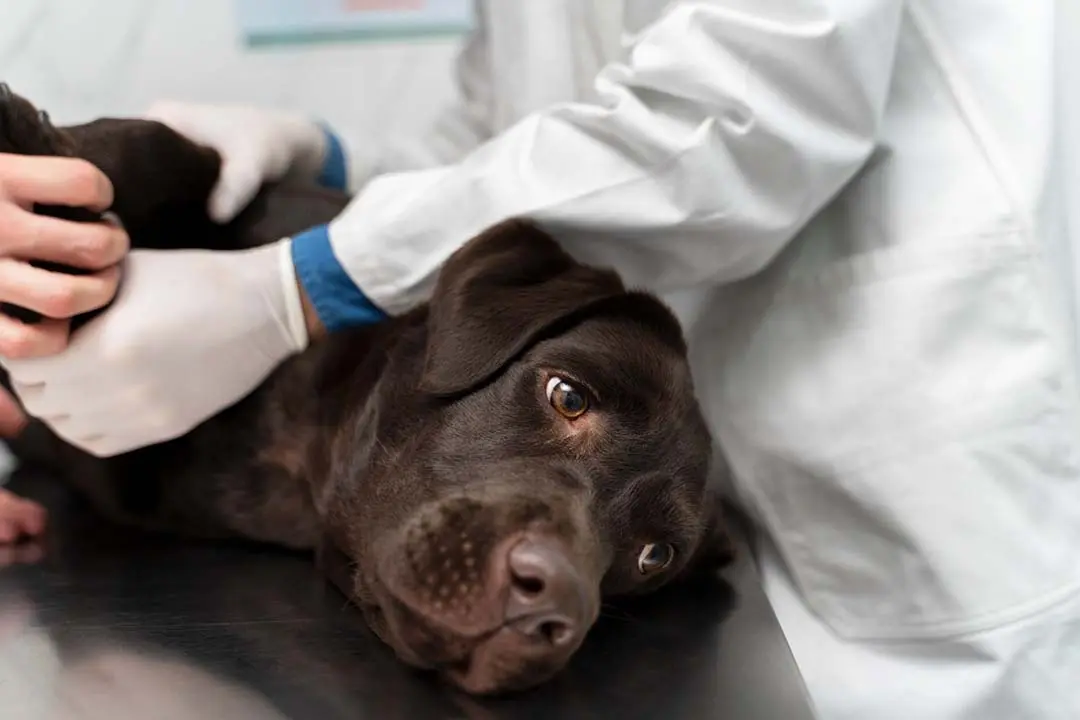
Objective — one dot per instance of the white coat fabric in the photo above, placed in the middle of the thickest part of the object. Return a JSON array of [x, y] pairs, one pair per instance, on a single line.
[[862, 211]]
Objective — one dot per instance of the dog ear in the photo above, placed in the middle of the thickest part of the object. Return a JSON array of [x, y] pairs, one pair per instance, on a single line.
[[498, 295]]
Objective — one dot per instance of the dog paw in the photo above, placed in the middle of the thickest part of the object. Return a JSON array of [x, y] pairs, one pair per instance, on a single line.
[[25, 130], [19, 519]]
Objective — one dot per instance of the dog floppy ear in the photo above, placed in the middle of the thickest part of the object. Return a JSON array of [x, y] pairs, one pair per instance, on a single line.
[[498, 295]]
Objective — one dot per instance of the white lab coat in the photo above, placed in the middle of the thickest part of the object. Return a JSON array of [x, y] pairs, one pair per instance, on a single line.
[[860, 209]]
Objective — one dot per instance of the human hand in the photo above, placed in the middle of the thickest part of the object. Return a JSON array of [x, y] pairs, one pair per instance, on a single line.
[[19, 518], [255, 145], [26, 236], [190, 333]]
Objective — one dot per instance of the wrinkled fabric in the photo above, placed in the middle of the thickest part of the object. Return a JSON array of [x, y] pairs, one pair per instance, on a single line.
[[863, 212]]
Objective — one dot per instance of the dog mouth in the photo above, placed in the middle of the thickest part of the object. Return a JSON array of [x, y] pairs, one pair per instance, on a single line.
[[514, 628], [496, 666], [514, 656]]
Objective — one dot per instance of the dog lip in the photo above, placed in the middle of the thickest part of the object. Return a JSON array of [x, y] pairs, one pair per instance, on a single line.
[[471, 672], [392, 596]]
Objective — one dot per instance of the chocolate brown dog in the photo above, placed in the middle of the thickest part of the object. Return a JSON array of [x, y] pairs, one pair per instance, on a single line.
[[492, 463]]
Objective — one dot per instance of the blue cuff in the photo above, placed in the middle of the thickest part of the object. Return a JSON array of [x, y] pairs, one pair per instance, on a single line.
[[338, 302], [335, 172]]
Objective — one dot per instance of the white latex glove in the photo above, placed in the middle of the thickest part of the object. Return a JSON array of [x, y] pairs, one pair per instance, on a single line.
[[190, 333], [255, 145]]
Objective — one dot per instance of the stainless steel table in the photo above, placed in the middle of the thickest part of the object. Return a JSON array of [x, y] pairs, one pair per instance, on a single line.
[[111, 623]]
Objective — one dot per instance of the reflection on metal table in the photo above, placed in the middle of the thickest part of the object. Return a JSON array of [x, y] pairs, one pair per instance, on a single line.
[[105, 622]]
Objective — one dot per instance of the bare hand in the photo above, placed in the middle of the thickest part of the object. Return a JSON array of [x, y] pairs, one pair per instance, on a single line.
[[26, 236]]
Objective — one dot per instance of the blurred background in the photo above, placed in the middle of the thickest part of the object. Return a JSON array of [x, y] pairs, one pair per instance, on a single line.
[[82, 59]]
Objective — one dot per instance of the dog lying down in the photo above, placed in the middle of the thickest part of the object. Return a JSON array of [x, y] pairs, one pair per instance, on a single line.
[[490, 465]]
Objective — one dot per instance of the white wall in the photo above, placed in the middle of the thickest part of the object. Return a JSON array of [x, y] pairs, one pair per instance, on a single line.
[[81, 59]]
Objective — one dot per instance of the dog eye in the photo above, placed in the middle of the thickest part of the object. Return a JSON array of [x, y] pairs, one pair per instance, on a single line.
[[655, 557], [566, 399]]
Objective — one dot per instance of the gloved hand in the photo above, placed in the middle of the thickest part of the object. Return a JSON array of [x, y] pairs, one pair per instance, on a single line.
[[255, 145], [190, 333]]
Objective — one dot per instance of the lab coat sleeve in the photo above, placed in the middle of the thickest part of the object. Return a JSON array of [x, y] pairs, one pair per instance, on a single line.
[[727, 127]]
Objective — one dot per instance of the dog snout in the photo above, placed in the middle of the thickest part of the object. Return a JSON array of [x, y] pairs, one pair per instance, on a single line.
[[547, 606], [496, 594], [547, 600]]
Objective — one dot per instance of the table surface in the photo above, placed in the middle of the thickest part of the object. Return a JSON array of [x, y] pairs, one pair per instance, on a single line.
[[103, 622]]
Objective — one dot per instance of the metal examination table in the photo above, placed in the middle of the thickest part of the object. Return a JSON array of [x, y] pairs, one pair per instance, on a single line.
[[112, 624]]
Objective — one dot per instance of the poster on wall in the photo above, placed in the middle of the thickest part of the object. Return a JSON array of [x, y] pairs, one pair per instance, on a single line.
[[277, 22]]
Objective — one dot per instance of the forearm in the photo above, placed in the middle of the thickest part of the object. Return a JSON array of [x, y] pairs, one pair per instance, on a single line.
[[722, 135]]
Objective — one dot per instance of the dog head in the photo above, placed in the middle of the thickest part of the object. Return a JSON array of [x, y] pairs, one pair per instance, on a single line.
[[546, 453]]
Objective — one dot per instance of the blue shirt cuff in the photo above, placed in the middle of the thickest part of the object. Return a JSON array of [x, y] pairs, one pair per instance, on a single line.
[[339, 303], [335, 171]]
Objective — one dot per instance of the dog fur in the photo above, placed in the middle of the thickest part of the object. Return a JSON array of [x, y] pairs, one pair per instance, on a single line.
[[421, 448]]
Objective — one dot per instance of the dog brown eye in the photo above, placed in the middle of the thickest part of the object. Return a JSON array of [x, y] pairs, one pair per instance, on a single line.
[[566, 399], [655, 557]]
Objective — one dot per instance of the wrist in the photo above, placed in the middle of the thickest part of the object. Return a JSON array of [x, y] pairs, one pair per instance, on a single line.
[[333, 299], [334, 170], [293, 309], [319, 154], [315, 329]]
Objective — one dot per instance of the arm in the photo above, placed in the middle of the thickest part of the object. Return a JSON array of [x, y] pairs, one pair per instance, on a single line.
[[722, 134]]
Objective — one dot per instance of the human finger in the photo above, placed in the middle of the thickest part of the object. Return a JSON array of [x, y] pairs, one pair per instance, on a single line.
[[237, 185], [54, 294], [90, 246], [12, 417], [21, 341], [28, 179], [19, 517]]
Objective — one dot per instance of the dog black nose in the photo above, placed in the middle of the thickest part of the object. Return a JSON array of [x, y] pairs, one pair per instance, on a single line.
[[547, 600]]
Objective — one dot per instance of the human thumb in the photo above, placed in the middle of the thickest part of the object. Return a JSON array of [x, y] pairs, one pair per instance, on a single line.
[[237, 185]]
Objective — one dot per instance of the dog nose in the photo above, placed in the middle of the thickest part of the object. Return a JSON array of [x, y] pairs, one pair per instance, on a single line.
[[547, 601]]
